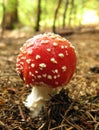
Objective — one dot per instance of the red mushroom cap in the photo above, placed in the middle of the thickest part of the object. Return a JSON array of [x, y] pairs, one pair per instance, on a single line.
[[46, 58]]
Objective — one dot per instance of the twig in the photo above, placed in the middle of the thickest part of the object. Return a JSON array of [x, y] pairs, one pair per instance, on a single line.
[[21, 113], [90, 116], [41, 126], [73, 125], [96, 126], [3, 126], [55, 128]]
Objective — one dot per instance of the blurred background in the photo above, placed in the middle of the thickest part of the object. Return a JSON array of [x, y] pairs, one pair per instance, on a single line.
[[44, 15]]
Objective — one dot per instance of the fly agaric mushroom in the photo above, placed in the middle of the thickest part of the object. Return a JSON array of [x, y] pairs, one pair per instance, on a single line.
[[46, 61]]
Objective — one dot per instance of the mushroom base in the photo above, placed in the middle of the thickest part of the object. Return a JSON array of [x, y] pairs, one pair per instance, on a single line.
[[37, 98]]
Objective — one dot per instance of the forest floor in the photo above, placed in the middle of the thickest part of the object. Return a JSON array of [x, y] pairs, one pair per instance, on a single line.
[[74, 108]]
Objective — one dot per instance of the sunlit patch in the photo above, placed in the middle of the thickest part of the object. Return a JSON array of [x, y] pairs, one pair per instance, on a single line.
[[90, 17]]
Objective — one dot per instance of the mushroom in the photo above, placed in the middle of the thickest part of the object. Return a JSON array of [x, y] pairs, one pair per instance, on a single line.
[[45, 62]]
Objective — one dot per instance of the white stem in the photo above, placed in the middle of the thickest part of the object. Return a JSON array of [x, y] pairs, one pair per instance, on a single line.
[[37, 98]]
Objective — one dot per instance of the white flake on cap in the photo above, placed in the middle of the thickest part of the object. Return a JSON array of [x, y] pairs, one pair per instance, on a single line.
[[66, 46], [30, 73], [29, 51], [30, 43], [55, 44], [61, 55], [55, 77], [23, 57], [38, 57], [53, 60], [44, 41], [36, 71], [24, 52], [66, 52], [63, 47], [42, 65], [39, 76], [48, 49], [18, 59], [44, 75], [21, 63], [55, 71], [60, 39], [32, 65], [63, 68], [72, 46], [21, 49], [49, 77], [28, 61], [17, 65]]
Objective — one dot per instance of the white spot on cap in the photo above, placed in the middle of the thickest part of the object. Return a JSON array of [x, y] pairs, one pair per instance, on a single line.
[[55, 44], [23, 57], [28, 61], [21, 49], [61, 55], [53, 60], [44, 41], [55, 71], [55, 77], [66, 53], [30, 43], [63, 68], [49, 77], [72, 46], [48, 49], [30, 51], [38, 57], [24, 51], [32, 65], [39, 76], [18, 59], [17, 65], [44, 75], [62, 46], [36, 71], [66, 46], [30, 73], [21, 63], [42, 65], [60, 39], [64, 39]]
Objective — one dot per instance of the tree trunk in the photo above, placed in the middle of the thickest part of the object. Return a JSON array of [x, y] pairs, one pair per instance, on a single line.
[[71, 12], [37, 28], [3, 19], [65, 11], [10, 16], [55, 16]]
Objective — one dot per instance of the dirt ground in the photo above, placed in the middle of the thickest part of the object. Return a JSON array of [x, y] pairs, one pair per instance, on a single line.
[[82, 98]]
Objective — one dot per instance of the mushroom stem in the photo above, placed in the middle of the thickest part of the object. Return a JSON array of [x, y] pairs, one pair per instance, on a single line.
[[37, 98]]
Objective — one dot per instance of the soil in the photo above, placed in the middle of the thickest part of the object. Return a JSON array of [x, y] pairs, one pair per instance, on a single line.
[[76, 107]]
